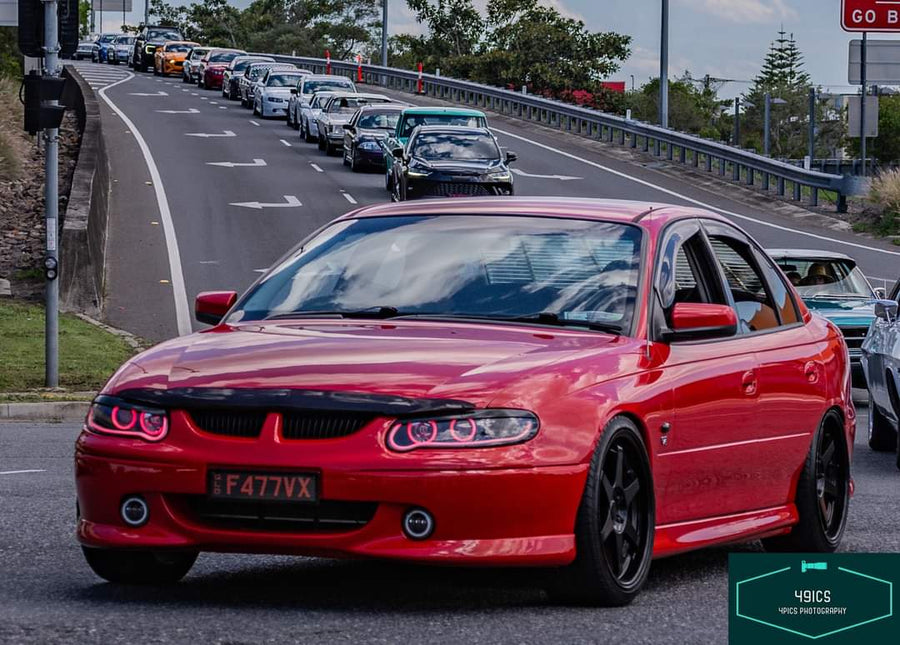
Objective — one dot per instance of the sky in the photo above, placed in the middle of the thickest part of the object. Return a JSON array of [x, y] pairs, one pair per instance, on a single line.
[[722, 38]]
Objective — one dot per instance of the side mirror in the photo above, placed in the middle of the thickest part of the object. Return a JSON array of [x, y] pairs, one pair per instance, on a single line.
[[397, 153], [347, 126], [293, 90], [511, 156], [886, 310], [880, 293], [211, 306], [701, 321]]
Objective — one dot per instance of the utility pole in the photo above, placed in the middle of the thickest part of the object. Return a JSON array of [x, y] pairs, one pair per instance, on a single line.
[[664, 67], [737, 121], [767, 120], [146, 12], [51, 205], [862, 105], [812, 125], [384, 33]]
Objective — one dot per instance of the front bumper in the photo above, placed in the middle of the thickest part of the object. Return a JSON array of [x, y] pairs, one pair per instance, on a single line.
[[503, 516], [274, 109], [370, 157], [440, 187], [212, 81]]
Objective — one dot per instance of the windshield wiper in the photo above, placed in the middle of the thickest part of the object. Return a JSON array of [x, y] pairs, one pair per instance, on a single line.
[[543, 318], [375, 313]]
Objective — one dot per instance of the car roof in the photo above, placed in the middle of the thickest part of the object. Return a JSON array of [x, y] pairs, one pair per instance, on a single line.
[[450, 129], [393, 106], [617, 210], [807, 254], [260, 59], [181, 42], [328, 77], [444, 110]]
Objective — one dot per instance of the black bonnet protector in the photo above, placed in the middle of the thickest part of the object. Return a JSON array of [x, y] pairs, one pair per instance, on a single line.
[[187, 398]]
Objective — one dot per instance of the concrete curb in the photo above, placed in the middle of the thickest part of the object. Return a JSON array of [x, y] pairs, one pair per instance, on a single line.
[[52, 411]]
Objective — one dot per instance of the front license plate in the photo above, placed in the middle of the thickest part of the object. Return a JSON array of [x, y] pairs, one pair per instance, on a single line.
[[254, 485]]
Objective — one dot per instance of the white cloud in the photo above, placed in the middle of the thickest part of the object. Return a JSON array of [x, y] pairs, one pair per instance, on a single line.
[[758, 11]]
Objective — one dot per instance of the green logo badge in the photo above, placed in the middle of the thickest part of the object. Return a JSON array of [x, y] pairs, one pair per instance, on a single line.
[[794, 598]]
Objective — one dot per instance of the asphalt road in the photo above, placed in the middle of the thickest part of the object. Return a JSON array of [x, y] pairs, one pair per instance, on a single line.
[[48, 594], [222, 245]]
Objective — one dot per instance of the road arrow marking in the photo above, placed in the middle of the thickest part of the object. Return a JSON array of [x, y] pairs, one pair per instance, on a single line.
[[160, 93], [522, 173], [254, 123], [290, 202], [287, 143], [316, 167], [188, 111], [206, 135], [237, 164]]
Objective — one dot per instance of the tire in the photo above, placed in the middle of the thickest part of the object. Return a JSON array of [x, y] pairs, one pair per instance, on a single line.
[[827, 466], [322, 143], [329, 149], [388, 180], [615, 524], [201, 84], [882, 437], [139, 567], [344, 158], [355, 166], [307, 136]]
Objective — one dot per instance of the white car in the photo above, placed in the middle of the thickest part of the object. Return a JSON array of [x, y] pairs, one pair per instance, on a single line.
[[309, 114], [231, 89], [258, 73], [191, 64], [309, 86], [120, 51], [336, 113], [270, 99], [881, 365]]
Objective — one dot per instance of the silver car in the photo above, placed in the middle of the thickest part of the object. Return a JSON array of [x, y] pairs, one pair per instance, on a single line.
[[120, 50], [251, 78], [309, 114], [337, 112], [881, 365], [190, 68], [231, 78], [271, 95], [309, 86]]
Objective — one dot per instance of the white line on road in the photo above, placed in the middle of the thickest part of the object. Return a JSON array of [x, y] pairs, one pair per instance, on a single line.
[[697, 202], [182, 312], [188, 111], [20, 472], [254, 123], [237, 164], [206, 135], [160, 93], [348, 197], [259, 270], [222, 107], [213, 102], [316, 167], [522, 173], [290, 202], [287, 143]]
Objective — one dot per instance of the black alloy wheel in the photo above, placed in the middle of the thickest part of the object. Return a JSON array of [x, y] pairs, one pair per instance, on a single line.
[[823, 494], [615, 525]]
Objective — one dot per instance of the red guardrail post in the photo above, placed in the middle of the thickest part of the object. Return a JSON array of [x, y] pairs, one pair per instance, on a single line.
[[419, 83], [327, 62], [359, 74]]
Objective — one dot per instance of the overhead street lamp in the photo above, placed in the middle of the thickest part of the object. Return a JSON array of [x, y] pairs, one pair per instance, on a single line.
[[768, 119], [384, 32]]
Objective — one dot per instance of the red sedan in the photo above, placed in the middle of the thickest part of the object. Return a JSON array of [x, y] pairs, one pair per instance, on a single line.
[[578, 385]]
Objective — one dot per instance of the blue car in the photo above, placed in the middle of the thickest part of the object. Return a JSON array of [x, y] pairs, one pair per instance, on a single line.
[[832, 285], [881, 363], [104, 45]]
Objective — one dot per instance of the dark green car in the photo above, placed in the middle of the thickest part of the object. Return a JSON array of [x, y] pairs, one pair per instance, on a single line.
[[832, 285], [412, 118]]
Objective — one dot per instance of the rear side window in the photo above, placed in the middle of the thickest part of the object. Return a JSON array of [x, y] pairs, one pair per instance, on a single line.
[[753, 303], [785, 304]]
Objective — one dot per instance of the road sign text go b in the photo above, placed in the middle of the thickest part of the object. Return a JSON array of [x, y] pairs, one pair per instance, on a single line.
[[870, 15]]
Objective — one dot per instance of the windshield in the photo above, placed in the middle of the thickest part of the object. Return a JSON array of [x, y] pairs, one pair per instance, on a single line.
[[108, 38], [179, 49], [443, 145], [814, 277], [282, 80], [349, 105], [155, 34], [241, 65], [412, 121], [319, 101], [311, 87], [257, 71], [223, 57], [125, 40], [460, 265], [379, 120]]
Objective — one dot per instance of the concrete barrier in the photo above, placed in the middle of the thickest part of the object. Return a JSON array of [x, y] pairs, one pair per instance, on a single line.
[[83, 239]]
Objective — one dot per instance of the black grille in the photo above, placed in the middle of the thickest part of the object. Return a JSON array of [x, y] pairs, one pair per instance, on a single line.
[[229, 423], [452, 189], [326, 516], [317, 424], [854, 336]]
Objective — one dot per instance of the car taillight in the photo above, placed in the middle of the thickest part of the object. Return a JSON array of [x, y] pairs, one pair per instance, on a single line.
[[110, 415], [480, 429]]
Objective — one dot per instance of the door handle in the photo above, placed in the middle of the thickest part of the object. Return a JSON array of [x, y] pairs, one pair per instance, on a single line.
[[749, 382]]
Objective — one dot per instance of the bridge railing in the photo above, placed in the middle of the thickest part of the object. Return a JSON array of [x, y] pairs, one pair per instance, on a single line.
[[741, 166]]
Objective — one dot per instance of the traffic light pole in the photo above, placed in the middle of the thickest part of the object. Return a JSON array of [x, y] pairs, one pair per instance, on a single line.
[[51, 205]]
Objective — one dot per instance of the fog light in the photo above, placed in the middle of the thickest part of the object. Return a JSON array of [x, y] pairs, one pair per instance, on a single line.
[[418, 524], [135, 511]]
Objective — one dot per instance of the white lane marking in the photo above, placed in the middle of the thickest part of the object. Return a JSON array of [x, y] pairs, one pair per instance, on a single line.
[[287, 143], [160, 93], [188, 111], [522, 173], [193, 94], [222, 107], [316, 167], [206, 135], [348, 197], [207, 262], [259, 270], [237, 164], [697, 201], [203, 98], [290, 202], [213, 102], [20, 472], [184, 90], [182, 312], [254, 123]]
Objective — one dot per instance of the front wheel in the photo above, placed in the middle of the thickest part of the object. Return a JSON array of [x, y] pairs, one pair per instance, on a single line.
[[823, 494], [139, 567], [615, 524]]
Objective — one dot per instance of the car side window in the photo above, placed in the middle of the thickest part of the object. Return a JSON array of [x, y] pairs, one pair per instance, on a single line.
[[784, 302], [753, 302]]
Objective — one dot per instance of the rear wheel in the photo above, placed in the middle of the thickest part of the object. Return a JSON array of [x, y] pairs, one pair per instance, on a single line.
[[882, 437], [321, 142], [615, 524], [823, 494], [139, 567], [354, 161]]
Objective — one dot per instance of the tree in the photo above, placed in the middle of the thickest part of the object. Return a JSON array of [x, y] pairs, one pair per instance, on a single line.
[[692, 109], [885, 148], [454, 27], [84, 18]]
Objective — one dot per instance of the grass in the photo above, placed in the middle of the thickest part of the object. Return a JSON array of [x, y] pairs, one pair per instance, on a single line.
[[88, 355], [13, 143]]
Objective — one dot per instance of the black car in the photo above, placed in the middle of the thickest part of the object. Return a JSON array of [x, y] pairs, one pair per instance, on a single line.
[[448, 161], [362, 136], [146, 43]]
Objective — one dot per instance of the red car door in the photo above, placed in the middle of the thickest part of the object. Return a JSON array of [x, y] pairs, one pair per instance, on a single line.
[[702, 466]]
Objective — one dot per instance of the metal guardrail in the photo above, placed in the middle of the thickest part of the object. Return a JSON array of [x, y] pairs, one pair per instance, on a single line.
[[742, 166]]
